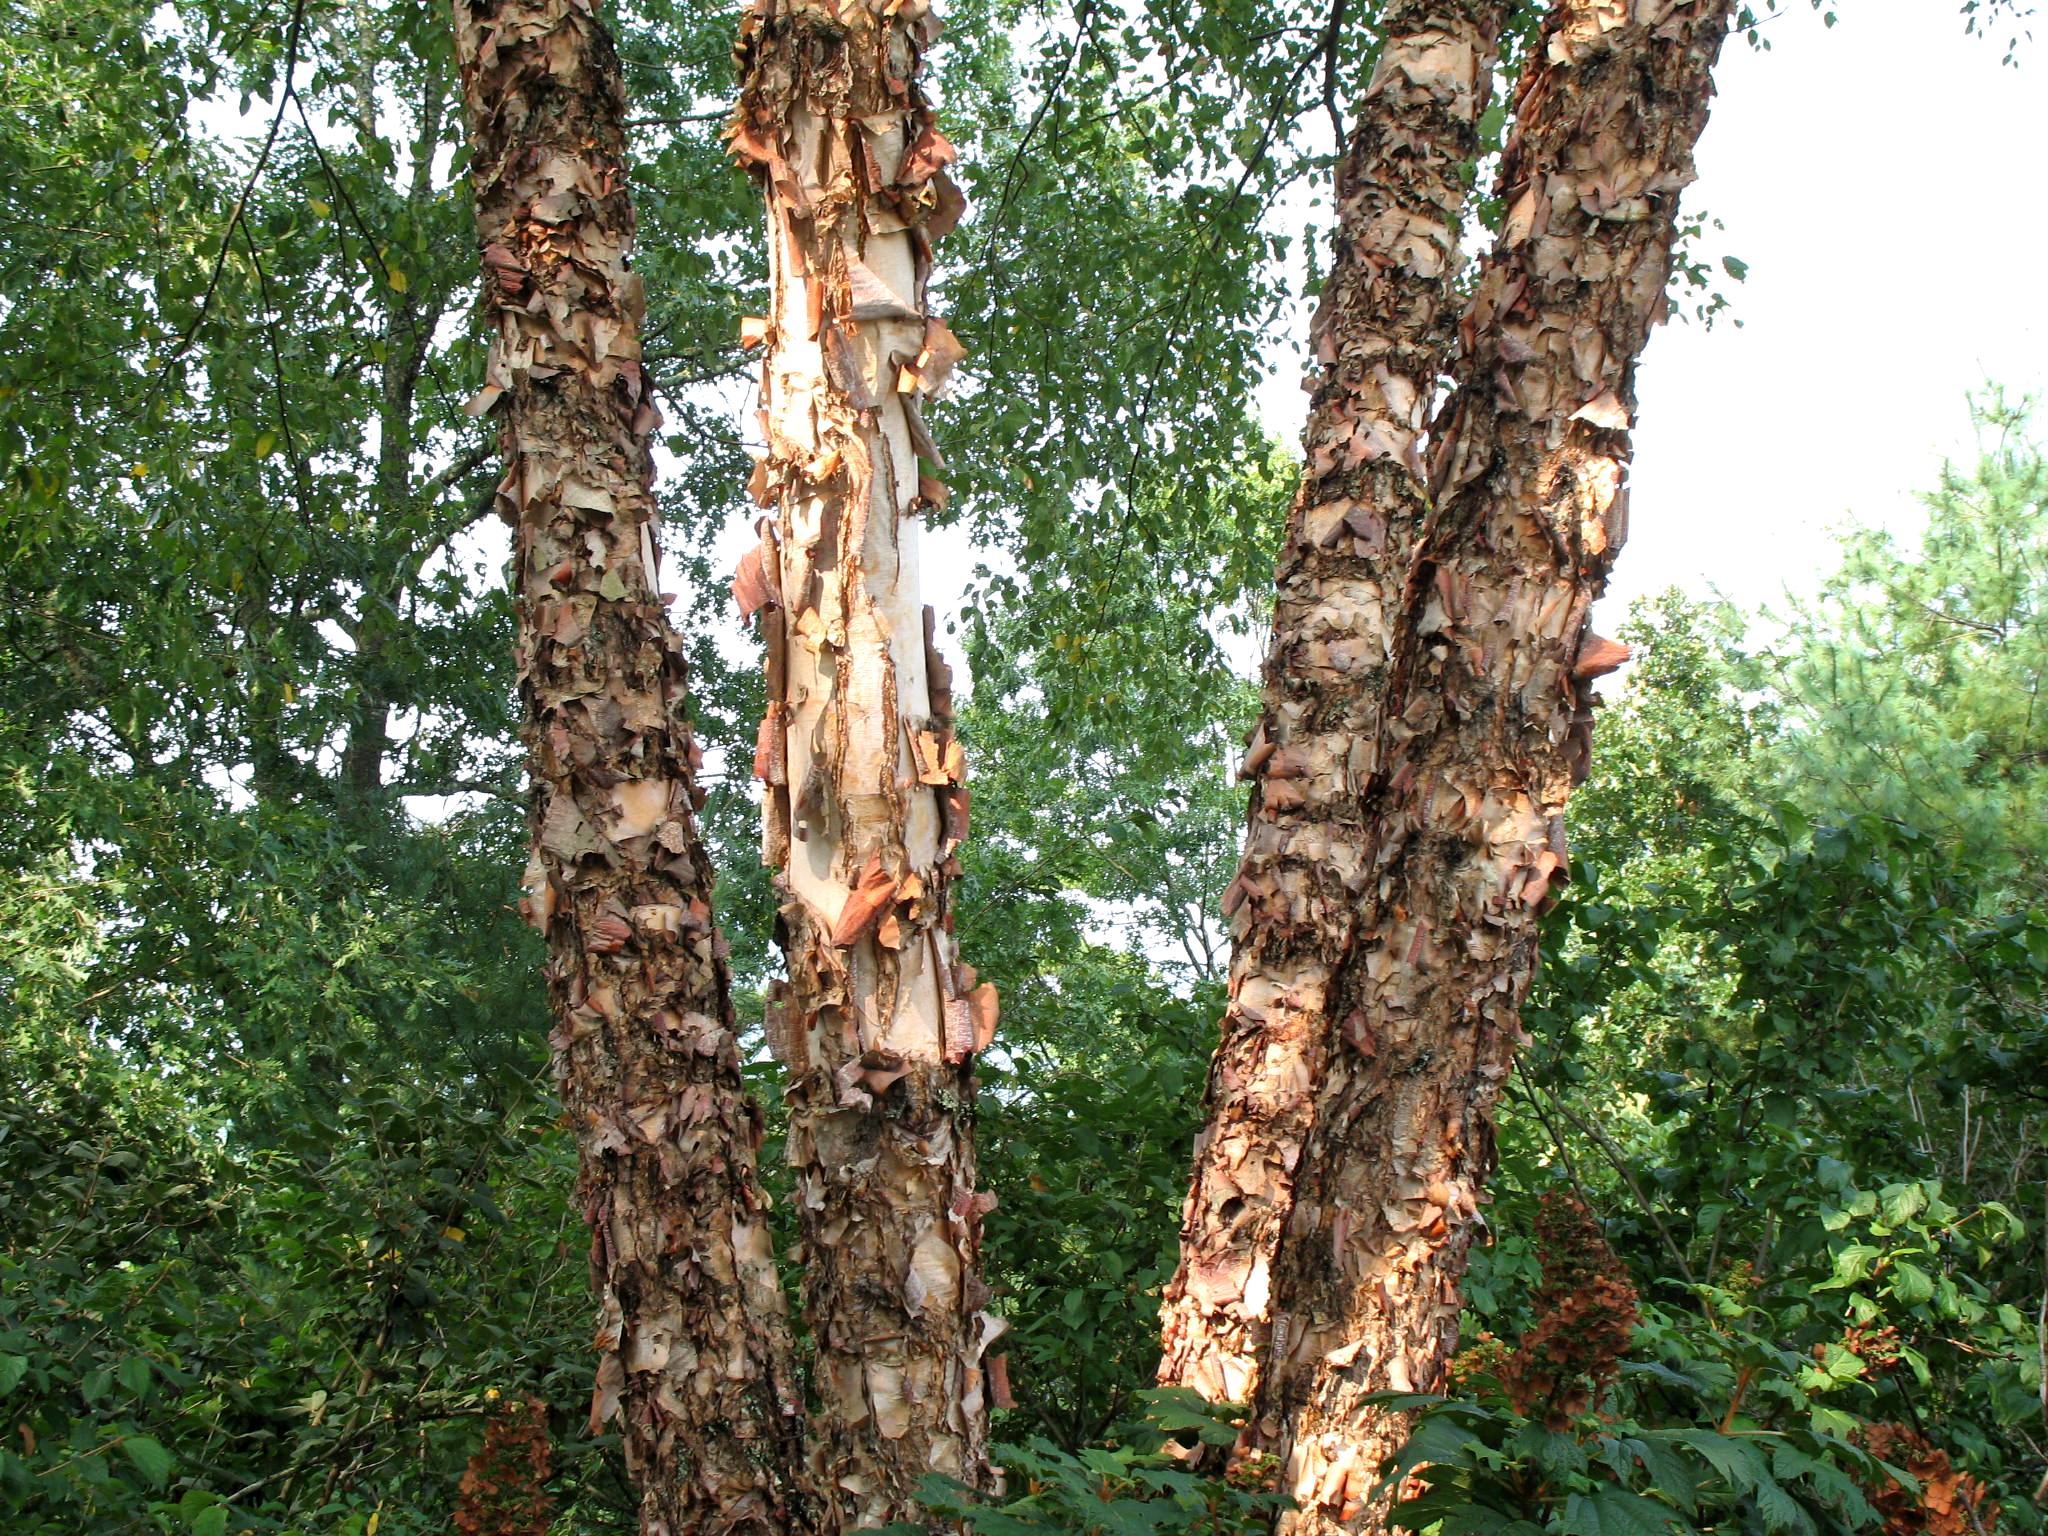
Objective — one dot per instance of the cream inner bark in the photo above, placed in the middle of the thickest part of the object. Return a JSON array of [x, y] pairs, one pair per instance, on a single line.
[[865, 799]]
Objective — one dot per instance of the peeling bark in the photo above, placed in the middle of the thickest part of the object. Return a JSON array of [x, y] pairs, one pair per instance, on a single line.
[[865, 796], [693, 1351], [1485, 731], [1381, 338], [1428, 712]]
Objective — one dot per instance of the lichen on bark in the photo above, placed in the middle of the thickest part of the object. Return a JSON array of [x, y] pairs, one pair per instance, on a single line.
[[864, 785], [693, 1357]]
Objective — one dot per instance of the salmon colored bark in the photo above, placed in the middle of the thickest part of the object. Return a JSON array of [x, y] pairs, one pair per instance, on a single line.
[[865, 796], [694, 1363], [1381, 339], [1485, 731]]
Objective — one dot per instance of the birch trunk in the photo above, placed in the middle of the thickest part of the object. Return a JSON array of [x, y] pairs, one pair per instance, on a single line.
[[1381, 338], [693, 1351], [1486, 729], [865, 801]]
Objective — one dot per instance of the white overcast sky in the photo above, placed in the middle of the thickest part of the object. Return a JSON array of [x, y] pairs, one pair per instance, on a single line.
[[1887, 182]]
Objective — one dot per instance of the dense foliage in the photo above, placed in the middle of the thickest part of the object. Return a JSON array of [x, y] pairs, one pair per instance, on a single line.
[[288, 1245]]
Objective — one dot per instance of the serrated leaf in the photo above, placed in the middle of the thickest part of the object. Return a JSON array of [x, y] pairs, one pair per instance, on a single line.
[[1668, 1471], [1612, 1511], [150, 1458], [1911, 1284], [1853, 1263], [1436, 1440], [1780, 1511], [1901, 1202], [1738, 1463]]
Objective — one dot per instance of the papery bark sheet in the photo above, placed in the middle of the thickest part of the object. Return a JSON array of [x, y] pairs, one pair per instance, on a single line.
[[1380, 339], [1470, 640], [865, 794], [694, 1364]]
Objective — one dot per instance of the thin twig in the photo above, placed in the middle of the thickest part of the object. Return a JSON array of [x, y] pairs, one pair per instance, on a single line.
[[227, 239], [301, 474], [1331, 37]]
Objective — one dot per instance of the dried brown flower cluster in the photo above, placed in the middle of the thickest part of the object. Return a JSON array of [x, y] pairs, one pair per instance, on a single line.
[[1949, 1503], [504, 1488], [1585, 1315], [1484, 1356], [1877, 1348]]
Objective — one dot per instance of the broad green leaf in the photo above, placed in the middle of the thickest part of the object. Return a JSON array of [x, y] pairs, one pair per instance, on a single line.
[[150, 1458]]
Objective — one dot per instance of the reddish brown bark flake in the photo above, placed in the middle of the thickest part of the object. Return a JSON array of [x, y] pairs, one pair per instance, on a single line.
[[693, 1365]]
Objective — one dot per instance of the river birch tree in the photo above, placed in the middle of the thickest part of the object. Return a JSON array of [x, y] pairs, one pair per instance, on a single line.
[[694, 1360], [865, 796], [1381, 338], [1469, 639]]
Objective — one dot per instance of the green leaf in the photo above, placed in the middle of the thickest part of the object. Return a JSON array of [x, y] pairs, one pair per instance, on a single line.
[[1781, 1511], [1853, 1263], [1911, 1284], [1612, 1511], [1739, 1463], [1439, 1440], [1669, 1472], [12, 1369], [150, 1458], [1901, 1203], [135, 1374], [1173, 1409]]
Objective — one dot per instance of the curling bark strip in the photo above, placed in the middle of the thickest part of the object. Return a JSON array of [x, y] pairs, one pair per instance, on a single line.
[[693, 1353], [1487, 730], [865, 795], [1381, 338]]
